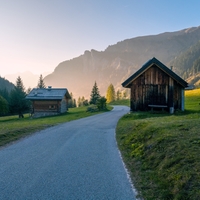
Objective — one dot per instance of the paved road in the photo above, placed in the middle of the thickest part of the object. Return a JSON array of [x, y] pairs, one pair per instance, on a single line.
[[76, 160]]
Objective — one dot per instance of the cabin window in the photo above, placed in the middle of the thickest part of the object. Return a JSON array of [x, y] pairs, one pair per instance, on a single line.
[[52, 107]]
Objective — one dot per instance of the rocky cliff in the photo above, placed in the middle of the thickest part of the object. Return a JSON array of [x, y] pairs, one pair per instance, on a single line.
[[119, 61]]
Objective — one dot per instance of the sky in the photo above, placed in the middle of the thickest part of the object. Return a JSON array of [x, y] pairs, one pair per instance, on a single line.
[[36, 35]]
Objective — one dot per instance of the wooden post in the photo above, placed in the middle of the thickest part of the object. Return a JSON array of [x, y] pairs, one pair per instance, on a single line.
[[182, 100], [171, 95]]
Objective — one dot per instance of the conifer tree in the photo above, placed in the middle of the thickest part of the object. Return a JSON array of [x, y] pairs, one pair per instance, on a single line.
[[94, 94], [18, 103], [110, 94], [41, 83]]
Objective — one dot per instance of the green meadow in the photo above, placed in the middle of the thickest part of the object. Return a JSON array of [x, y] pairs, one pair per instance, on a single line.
[[162, 151]]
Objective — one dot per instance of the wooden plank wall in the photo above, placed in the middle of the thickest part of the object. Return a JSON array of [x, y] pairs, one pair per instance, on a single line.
[[50, 106], [154, 87]]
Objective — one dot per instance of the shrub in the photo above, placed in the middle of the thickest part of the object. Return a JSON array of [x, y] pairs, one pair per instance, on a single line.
[[92, 108], [101, 103]]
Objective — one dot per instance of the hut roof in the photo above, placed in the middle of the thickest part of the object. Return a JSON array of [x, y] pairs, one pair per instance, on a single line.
[[48, 94], [160, 65]]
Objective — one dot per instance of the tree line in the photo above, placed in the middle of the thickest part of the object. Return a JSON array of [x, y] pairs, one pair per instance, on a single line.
[[100, 101], [14, 101]]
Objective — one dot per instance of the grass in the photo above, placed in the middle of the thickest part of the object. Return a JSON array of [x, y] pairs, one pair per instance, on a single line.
[[125, 102], [162, 151], [13, 128]]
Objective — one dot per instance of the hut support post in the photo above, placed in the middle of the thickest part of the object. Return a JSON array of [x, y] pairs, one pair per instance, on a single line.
[[171, 95], [182, 100]]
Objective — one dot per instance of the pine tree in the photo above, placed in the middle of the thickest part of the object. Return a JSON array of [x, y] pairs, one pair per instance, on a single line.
[[110, 94], [41, 83], [94, 94], [18, 103], [19, 84]]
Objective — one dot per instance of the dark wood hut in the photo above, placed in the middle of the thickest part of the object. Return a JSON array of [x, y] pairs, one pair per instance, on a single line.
[[48, 101], [155, 86]]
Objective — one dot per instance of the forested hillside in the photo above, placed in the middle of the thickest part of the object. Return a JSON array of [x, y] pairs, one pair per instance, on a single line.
[[5, 87], [5, 84], [188, 62]]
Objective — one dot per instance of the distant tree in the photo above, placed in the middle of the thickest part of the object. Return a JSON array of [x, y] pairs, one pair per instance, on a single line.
[[18, 103], [85, 102], [118, 95], [125, 94], [101, 103], [79, 102], [94, 94], [3, 106], [71, 102], [82, 101], [74, 104], [41, 83], [110, 94], [28, 90]]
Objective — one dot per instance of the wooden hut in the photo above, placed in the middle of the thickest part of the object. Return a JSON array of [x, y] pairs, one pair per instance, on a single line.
[[155, 86], [48, 101]]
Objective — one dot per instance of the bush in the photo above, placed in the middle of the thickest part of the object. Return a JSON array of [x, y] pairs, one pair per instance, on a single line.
[[92, 108], [101, 103]]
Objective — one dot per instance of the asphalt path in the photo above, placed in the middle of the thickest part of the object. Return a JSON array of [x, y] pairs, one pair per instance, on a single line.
[[75, 160]]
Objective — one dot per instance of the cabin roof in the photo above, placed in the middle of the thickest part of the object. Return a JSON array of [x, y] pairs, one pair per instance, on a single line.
[[160, 65], [48, 94]]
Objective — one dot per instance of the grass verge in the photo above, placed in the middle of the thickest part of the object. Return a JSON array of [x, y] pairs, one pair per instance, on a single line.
[[125, 102], [12, 128], [162, 151]]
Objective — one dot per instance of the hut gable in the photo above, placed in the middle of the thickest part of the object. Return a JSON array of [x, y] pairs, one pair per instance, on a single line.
[[48, 101], [155, 85]]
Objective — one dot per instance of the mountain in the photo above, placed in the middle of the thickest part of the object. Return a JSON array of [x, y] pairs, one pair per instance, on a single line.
[[5, 88], [119, 61], [5, 84], [188, 64]]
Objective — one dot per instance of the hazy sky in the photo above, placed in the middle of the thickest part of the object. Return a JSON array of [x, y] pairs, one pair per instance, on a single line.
[[36, 35]]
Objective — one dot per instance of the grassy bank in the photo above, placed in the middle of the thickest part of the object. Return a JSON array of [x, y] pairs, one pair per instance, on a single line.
[[12, 128], [125, 102], [162, 151]]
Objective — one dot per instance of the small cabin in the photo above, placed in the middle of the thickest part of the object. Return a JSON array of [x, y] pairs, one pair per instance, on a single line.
[[48, 101], [155, 86]]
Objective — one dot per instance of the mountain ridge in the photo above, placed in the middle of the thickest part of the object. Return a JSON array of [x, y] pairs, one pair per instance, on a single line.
[[117, 62]]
